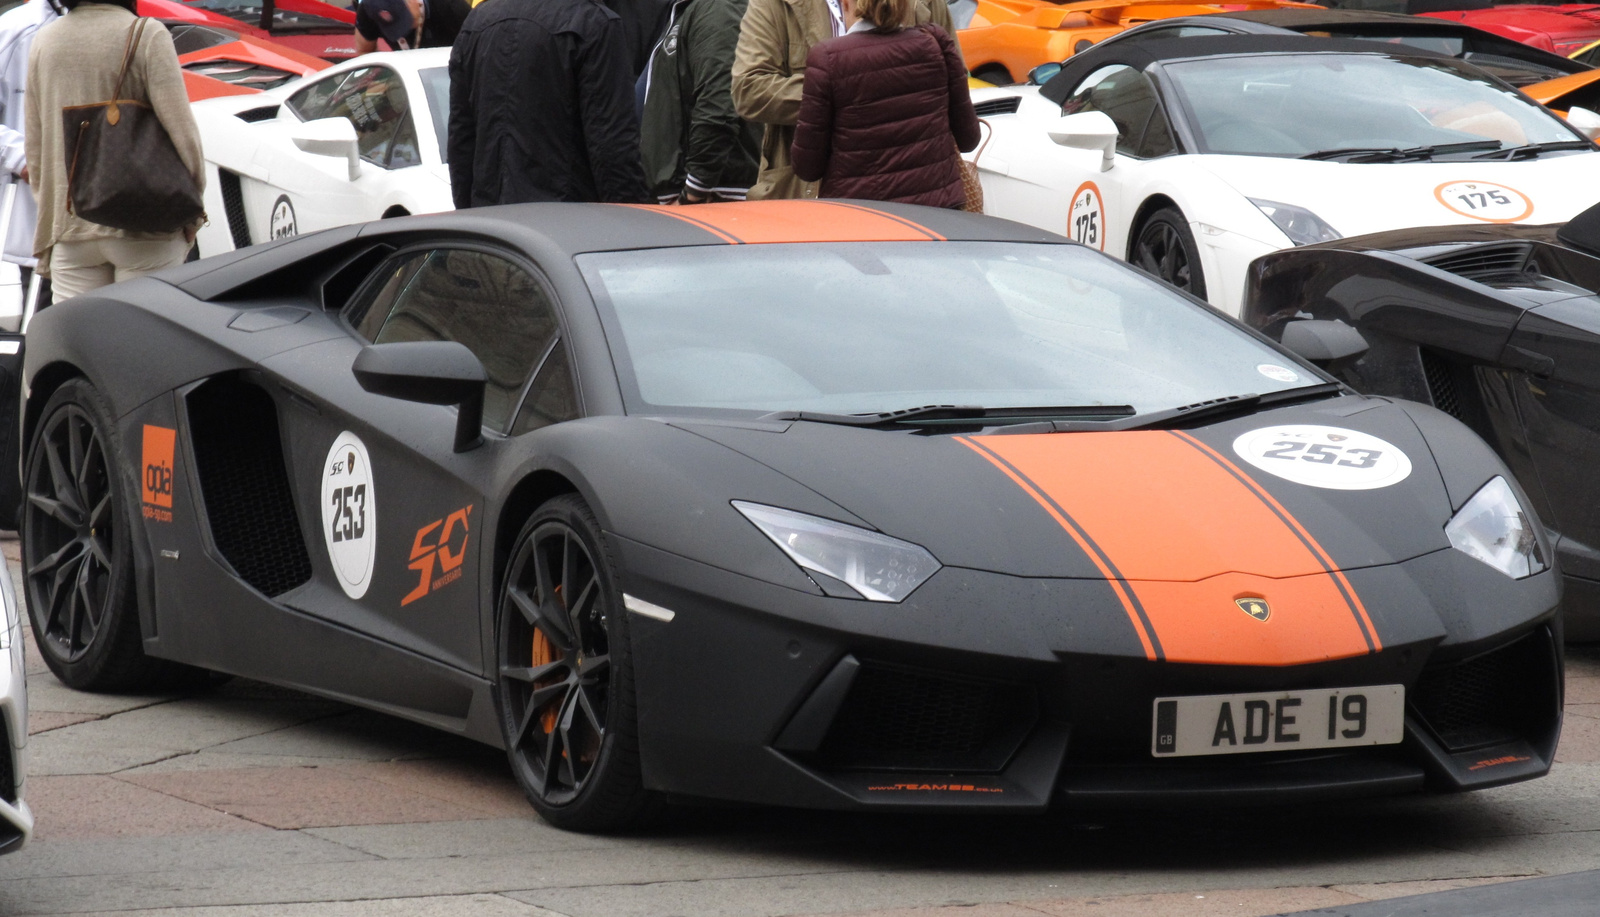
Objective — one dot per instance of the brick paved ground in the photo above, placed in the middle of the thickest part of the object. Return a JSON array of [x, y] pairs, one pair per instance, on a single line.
[[252, 801]]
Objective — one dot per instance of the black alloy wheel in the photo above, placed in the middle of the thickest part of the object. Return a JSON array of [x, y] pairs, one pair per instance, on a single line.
[[76, 549], [1165, 248], [565, 689]]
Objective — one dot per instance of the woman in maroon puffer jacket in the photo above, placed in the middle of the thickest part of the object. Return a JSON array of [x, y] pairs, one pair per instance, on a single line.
[[884, 110]]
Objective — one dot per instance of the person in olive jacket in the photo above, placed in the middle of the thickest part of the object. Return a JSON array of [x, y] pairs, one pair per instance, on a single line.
[[696, 147], [884, 110], [541, 106], [769, 70]]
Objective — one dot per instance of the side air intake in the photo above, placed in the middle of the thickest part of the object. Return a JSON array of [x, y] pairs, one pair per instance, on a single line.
[[233, 204], [1485, 262], [238, 454]]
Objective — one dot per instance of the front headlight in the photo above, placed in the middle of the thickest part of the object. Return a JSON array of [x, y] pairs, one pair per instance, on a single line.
[[1494, 528], [1301, 225], [880, 568]]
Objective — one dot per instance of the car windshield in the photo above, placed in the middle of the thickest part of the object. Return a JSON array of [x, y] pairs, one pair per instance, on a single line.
[[436, 86], [865, 327], [1308, 104]]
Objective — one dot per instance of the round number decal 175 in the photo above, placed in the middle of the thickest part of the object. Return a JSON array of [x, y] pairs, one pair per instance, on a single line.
[[1330, 457], [1486, 201], [1086, 221], [350, 513]]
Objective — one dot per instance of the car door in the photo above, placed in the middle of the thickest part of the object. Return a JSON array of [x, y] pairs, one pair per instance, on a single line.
[[1063, 189], [397, 512], [305, 192]]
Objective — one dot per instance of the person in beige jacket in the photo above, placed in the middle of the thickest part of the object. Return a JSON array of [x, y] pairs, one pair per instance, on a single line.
[[76, 61], [769, 68]]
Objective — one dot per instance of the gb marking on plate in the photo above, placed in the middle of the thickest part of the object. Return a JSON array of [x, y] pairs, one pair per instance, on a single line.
[[350, 513], [1486, 201], [1086, 222], [1329, 457]]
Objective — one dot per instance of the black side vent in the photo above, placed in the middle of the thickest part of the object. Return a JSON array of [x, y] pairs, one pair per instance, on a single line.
[[239, 457], [1489, 699], [265, 113], [1441, 377], [897, 718], [233, 203], [8, 776], [1485, 262], [1007, 105]]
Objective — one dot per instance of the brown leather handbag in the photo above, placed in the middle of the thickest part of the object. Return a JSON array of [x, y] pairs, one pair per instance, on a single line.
[[971, 187], [122, 168]]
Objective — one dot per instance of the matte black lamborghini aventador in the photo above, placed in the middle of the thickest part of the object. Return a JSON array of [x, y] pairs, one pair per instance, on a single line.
[[813, 503]]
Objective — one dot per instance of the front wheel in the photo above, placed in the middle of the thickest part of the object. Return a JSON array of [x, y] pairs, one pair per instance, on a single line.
[[565, 680], [1166, 249]]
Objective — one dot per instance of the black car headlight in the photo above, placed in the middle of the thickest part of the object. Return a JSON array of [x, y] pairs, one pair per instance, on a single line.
[[1301, 225], [880, 568], [1494, 528]]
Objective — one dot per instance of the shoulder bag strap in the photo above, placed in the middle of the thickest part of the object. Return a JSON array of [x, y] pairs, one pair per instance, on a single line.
[[135, 33]]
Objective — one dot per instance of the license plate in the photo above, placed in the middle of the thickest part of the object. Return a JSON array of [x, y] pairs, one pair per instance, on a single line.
[[1231, 724]]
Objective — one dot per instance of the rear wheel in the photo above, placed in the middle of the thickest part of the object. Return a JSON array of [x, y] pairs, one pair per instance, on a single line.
[[1166, 248], [77, 551], [565, 685]]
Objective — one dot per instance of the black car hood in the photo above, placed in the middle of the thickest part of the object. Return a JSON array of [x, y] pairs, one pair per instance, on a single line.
[[1156, 505]]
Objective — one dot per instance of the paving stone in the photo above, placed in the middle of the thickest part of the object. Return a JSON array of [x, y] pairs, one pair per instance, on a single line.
[[302, 797], [1583, 689], [486, 837], [1580, 741], [45, 720], [109, 858], [47, 694], [1424, 887], [95, 807], [1589, 710], [452, 906], [1248, 902], [354, 735], [483, 782]]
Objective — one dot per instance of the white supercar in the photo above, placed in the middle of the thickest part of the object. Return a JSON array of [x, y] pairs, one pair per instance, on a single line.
[[360, 141], [1193, 157]]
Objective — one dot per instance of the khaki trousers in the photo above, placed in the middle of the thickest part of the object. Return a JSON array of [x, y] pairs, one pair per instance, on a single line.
[[78, 267]]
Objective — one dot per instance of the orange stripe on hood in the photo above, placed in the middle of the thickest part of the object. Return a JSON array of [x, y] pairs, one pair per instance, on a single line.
[[758, 222], [1182, 533]]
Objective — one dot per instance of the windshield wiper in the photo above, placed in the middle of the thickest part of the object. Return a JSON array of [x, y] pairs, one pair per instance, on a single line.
[[1219, 406], [1532, 150], [1397, 154], [957, 413]]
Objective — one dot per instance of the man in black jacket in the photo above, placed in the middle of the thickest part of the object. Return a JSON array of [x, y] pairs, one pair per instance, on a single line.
[[541, 106], [696, 147]]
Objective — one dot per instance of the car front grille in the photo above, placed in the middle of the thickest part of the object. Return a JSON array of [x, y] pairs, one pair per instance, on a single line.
[[1495, 697], [898, 718], [239, 457]]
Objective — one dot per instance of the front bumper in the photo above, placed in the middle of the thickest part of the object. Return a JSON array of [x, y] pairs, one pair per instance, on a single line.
[[985, 695]]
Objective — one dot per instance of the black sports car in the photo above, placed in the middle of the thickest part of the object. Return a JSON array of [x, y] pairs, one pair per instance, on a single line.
[[824, 504], [1497, 325], [1512, 61]]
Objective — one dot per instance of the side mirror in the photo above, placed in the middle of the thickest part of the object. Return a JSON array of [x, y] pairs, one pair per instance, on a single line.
[[1088, 130], [1586, 122], [330, 137], [428, 372], [1041, 74], [1329, 344]]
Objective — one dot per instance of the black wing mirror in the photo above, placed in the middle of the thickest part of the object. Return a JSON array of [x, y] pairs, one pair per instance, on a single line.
[[1041, 74], [428, 372], [1329, 344]]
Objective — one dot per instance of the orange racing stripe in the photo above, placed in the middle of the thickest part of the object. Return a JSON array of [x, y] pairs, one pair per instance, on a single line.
[[760, 222], [1181, 535]]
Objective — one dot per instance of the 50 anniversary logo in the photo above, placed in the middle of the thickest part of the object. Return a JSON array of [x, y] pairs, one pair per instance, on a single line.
[[435, 548]]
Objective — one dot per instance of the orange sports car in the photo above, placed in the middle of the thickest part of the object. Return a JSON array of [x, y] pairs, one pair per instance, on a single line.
[[1561, 94], [1005, 39]]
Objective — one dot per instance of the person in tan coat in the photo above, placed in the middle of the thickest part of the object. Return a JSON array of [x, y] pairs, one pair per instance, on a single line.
[[769, 68], [76, 61]]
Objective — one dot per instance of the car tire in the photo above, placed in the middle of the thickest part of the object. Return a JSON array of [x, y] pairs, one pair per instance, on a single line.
[[1165, 248], [77, 548], [564, 685], [994, 74]]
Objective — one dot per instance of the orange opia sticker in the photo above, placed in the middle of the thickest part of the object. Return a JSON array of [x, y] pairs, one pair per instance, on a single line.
[[1486, 201], [159, 446]]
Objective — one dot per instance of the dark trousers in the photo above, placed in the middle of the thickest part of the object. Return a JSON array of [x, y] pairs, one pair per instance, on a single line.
[[44, 288]]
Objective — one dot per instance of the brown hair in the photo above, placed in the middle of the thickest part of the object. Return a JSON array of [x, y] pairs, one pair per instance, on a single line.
[[887, 15]]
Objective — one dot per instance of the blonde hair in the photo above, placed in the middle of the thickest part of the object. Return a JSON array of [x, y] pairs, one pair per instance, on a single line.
[[885, 14]]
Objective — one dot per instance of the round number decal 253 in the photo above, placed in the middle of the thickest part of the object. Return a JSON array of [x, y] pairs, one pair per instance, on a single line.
[[1329, 457], [1086, 221], [350, 513]]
